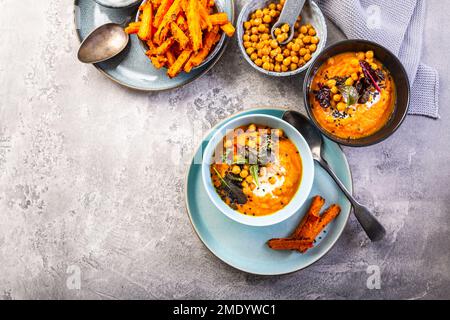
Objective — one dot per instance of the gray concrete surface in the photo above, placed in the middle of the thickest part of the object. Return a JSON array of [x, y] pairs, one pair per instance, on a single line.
[[92, 175]]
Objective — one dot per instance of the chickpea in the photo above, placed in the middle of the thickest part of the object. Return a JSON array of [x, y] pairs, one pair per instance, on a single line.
[[349, 82], [299, 42], [312, 32], [266, 11], [247, 44], [285, 28], [259, 13], [295, 59], [286, 52], [246, 38], [279, 7], [289, 45], [334, 89], [267, 18], [277, 68], [265, 59], [294, 66], [272, 6], [274, 44], [272, 180], [331, 83], [302, 52], [262, 28], [265, 36], [337, 97], [249, 179], [266, 51], [354, 76], [303, 30], [254, 38], [266, 66], [307, 57], [236, 169], [284, 68], [252, 186], [274, 13], [312, 48], [254, 30], [250, 50], [273, 53], [247, 25], [314, 40], [281, 37], [279, 58], [254, 56], [244, 174], [341, 106], [295, 47], [244, 184], [258, 62], [374, 66], [277, 31], [294, 53], [259, 45], [369, 54], [307, 39], [360, 56]]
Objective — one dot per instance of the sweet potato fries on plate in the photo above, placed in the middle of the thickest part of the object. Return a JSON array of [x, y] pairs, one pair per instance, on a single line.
[[309, 228], [180, 34]]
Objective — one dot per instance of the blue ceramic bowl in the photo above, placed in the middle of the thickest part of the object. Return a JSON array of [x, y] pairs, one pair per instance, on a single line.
[[307, 176]]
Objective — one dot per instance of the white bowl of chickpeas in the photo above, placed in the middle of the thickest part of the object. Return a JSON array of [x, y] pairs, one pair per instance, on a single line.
[[265, 53]]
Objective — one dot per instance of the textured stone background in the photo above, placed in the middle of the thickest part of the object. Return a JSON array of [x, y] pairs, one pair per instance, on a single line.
[[85, 179]]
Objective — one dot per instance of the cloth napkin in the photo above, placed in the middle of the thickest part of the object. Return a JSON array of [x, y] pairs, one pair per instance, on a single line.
[[397, 25]]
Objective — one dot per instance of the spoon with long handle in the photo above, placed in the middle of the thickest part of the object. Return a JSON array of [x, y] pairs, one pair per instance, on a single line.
[[104, 43], [289, 14], [373, 228]]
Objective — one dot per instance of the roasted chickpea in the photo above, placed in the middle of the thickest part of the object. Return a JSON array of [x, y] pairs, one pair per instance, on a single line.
[[341, 106], [337, 97], [312, 32], [306, 39], [247, 25], [250, 50], [255, 30], [265, 36], [244, 173], [277, 67], [349, 82], [286, 52], [236, 169], [246, 38], [369, 54], [303, 30], [258, 62], [314, 40], [284, 68], [272, 180], [285, 28], [294, 66], [312, 48], [272, 6], [295, 47], [281, 37], [279, 58], [334, 89], [267, 18], [259, 13], [254, 56], [287, 61], [277, 31], [307, 57], [266, 66], [355, 76], [274, 13]]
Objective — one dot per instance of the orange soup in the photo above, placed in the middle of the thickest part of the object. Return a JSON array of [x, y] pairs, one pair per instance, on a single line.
[[256, 170], [352, 95]]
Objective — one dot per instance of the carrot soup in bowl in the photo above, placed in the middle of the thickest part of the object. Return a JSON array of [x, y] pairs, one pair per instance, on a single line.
[[258, 170]]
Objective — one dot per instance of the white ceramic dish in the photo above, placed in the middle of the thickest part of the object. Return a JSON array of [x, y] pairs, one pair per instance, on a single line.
[[305, 184]]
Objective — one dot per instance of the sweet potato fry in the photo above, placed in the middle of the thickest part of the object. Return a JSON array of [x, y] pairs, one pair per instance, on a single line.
[[210, 40], [218, 18], [133, 28], [310, 219], [161, 12], [162, 49], [329, 215], [158, 61], [290, 244], [204, 15], [181, 22], [176, 68], [179, 35], [195, 30], [170, 56], [228, 29], [164, 26], [145, 29]]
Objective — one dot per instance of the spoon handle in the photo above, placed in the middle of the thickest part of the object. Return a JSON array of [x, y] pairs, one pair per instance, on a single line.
[[373, 228]]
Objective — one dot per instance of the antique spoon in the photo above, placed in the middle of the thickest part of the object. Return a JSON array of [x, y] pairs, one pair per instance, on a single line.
[[289, 14], [374, 230], [103, 43]]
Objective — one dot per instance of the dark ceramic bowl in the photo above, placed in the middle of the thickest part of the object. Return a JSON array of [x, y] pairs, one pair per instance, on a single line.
[[397, 71]]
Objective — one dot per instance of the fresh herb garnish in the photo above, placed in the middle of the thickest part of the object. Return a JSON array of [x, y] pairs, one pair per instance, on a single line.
[[350, 94], [254, 171], [234, 191]]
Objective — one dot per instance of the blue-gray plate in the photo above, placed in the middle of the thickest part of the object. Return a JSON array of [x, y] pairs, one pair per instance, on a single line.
[[244, 247], [132, 68]]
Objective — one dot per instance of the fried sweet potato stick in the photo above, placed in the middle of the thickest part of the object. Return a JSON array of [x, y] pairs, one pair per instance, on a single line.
[[204, 15], [193, 19], [211, 39], [228, 29], [170, 56], [329, 215], [133, 28], [310, 219], [289, 244], [176, 68], [162, 49], [179, 35], [145, 29], [161, 12], [158, 61], [218, 18], [164, 26], [181, 22]]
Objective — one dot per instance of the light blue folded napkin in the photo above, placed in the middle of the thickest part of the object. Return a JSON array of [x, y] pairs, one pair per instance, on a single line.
[[397, 25]]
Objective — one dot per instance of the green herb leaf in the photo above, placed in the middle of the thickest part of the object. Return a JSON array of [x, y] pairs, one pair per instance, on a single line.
[[350, 94], [254, 171]]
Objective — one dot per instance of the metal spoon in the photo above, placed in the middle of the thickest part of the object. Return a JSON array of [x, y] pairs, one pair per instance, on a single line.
[[103, 43], [289, 14], [374, 230]]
